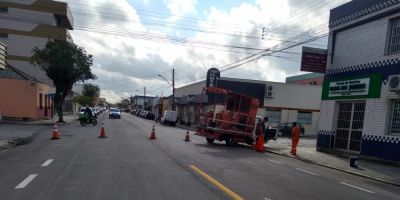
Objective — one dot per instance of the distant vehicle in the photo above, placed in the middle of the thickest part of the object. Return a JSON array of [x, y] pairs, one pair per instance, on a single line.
[[114, 113], [144, 113], [133, 112], [169, 118], [285, 129], [150, 116], [127, 110], [138, 112]]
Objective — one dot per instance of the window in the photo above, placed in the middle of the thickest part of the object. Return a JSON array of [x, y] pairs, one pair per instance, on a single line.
[[304, 117], [394, 40], [3, 10], [274, 116], [395, 118], [41, 101], [3, 35]]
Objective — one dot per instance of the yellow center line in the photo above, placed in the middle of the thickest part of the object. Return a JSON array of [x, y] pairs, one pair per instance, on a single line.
[[216, 183]]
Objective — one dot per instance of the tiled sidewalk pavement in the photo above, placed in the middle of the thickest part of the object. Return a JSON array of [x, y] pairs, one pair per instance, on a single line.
[[306, 151]]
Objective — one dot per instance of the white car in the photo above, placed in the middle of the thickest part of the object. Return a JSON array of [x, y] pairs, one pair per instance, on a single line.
[[169, 118]]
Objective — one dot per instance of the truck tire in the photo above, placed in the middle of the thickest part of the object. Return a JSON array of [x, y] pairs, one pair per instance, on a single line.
[[229, 141], [210, 140]]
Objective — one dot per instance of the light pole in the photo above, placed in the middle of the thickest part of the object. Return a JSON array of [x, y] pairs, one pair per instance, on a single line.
[[173, 87]]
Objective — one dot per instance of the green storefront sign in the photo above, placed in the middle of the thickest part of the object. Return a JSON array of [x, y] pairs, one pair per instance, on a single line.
[[353, 88]]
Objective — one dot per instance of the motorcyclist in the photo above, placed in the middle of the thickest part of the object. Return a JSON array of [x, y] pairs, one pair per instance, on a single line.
[[89, 114]]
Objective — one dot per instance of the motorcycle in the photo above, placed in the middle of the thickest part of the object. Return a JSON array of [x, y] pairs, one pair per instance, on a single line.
[[85, 119]]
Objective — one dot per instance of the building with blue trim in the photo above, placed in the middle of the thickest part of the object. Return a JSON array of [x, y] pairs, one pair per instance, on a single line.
[[360, 108]]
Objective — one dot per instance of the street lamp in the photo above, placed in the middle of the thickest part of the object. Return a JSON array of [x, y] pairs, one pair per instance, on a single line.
[[172, 85]]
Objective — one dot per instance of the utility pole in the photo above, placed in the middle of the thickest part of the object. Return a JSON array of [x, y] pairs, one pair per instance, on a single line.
[[144, 98], [173, 89]]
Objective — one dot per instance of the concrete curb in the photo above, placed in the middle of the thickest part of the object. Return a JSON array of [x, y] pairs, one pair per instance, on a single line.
[[336, 168]]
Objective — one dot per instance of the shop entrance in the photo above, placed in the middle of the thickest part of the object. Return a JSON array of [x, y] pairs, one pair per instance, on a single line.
[[349, 126]]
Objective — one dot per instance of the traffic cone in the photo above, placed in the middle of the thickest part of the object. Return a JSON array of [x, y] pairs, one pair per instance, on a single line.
[[102, 131], [153, 134], [187, 139], [56, 135], [260, 144]]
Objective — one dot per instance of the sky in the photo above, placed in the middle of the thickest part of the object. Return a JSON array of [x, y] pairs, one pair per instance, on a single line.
[[135, 41]]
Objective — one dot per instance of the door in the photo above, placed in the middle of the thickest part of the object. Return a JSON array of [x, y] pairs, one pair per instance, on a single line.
[[350, 126]]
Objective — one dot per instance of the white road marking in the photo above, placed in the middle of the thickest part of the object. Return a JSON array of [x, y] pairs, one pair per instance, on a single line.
[[357, 187], [25, 182], [307, 171], [47, 163], [274, 161]]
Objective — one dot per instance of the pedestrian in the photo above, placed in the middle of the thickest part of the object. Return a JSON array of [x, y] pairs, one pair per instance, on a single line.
[[295, 137], [260, 131]]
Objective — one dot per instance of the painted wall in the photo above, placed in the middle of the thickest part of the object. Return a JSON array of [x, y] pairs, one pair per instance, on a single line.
[[318, 81], [20, 98]]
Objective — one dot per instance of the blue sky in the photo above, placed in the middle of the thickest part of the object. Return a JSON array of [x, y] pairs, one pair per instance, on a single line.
[[133, 41]]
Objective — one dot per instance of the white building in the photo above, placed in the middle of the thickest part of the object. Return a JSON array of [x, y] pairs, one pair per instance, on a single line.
[[360, 110], [26, 24], [280, 102]]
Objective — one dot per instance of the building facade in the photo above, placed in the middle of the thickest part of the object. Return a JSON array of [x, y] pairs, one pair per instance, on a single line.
[[143, 102], [360, 108], [280, 102], [25, 25], [307, 79]]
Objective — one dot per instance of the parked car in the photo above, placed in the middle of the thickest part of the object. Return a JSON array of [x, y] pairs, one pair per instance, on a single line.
[[285, 129], [114, 113], [127, 110], [133, 112], [144, 113], [150, 116], [169, 118], [138, 112]]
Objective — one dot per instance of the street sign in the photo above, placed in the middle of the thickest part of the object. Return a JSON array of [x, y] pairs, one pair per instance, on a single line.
[[213, 75], [314, 60]]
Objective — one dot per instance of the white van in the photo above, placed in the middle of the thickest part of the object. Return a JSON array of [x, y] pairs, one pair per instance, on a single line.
[[169, 118]]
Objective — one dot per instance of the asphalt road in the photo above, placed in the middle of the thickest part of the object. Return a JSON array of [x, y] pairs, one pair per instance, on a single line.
[[127, 165]]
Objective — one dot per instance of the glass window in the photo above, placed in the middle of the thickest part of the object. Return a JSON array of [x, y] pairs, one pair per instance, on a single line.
[[40, 101], [304, 117], [3, 9], [3, 35], [274, 115], [394, 40], [395, 118]]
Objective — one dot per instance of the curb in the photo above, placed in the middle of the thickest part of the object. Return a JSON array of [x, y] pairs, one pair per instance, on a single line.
[[338, 169], [37, 124]]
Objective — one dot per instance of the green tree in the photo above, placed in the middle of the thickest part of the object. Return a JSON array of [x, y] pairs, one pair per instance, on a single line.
[[84, 100], [65, 63], [92, 91]]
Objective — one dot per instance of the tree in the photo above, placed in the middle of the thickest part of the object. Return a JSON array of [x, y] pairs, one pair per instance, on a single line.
[[83, 100], [65, 63], [92, 91]]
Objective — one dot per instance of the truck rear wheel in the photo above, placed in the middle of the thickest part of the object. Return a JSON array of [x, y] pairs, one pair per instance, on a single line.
[[229, 141], [210, 140]]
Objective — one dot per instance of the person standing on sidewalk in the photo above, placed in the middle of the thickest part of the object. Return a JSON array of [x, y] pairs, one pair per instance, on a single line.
[[295, 137]]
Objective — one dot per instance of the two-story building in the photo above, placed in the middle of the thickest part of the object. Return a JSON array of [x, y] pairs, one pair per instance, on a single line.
[[360, 109]]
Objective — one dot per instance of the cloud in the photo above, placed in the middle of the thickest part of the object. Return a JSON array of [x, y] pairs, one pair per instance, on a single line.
[[129, 53], [181, 7]]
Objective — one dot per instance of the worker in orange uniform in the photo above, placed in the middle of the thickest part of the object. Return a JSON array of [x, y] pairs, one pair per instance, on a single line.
[[260, 131], [295, 137]]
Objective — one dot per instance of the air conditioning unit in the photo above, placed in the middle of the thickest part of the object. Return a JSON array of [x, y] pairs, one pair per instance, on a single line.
[[394, 83], [269, 91]]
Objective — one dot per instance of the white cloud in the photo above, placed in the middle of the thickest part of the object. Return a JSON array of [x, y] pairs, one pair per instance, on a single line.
[[124, 63], [181, 7]]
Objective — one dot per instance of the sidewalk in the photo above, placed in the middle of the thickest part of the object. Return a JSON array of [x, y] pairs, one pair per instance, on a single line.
[[306, 152], [67, 118]]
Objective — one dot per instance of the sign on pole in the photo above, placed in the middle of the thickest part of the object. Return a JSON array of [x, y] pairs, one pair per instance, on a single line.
[[213, 75], [314, 60]]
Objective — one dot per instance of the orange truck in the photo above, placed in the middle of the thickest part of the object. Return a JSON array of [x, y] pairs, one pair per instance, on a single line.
[[229, 117]]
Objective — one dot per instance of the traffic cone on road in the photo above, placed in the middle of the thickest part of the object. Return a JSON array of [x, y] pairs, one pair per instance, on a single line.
[[260, 144], [56, 135], [102, 132], [187, 139], [153, 134]]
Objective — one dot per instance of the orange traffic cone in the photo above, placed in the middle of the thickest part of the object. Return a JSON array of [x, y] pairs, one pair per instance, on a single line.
[[153, 134], [56, 135], [260, 144], [187, 139], [102, 132]]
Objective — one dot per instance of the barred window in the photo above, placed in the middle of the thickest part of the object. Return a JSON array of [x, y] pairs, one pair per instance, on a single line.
[[394, 40], [304, 117], [395, 118], [274, 116]]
